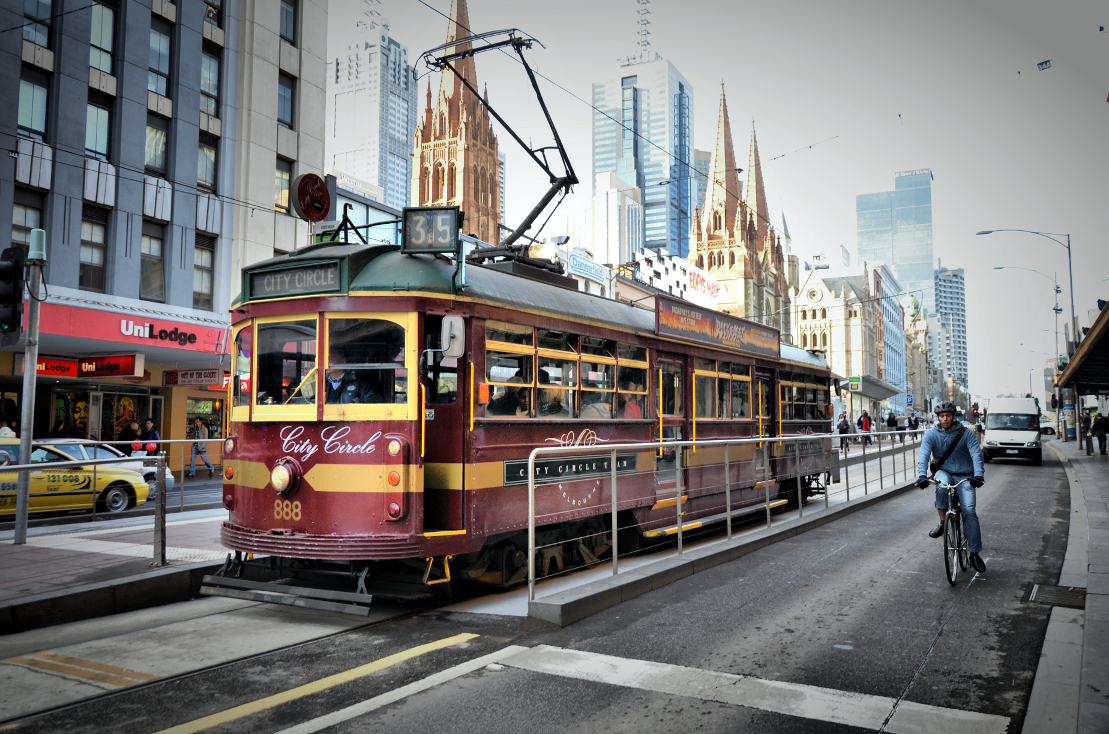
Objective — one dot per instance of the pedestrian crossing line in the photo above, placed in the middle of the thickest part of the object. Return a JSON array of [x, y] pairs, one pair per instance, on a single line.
[[262, 704], [89, 670], [793, 699]]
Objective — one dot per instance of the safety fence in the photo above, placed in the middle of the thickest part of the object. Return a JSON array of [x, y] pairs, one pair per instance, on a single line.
[[679, 489], [184, 449]]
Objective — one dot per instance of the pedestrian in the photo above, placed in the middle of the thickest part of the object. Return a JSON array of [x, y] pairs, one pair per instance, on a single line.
[[131, 435], [902, 422], [865, 423], [844, 427], [891, 423], [1098, 429], [200, 447], [150, 437], [1086, 423]]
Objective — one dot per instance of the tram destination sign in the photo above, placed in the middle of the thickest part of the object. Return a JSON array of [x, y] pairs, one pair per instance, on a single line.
[[431, 229], [568, 468], [682, 320], [300, 280]]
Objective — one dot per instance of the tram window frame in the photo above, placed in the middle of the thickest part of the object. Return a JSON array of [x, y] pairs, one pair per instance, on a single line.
[[633, 371], [740, 374], [508, 389], [704, 389], [279, 411], [242, 400], [598, 400], [563, 394], [672, 398], [395, 411], [442, 372]]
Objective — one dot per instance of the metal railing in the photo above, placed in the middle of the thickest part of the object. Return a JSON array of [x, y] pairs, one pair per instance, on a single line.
[[184, 454], [824, 463], [42, 467]]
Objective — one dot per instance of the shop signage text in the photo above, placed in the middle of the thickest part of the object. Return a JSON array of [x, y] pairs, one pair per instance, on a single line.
[[586, 268], [683, 320], [57, 367], [119, 365], [202, 378], [313, 278], [568, 468], [121, 334], [151, 331]]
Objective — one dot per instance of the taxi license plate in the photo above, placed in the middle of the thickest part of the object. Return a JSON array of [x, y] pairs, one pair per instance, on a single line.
[[1010, 451]]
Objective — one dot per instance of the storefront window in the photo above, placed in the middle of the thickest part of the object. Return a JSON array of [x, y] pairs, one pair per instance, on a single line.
[[365, 362], [208, 410], [286, 363]]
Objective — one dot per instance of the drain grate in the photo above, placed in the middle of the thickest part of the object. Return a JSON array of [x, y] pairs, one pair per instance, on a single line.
[[1059, 596]]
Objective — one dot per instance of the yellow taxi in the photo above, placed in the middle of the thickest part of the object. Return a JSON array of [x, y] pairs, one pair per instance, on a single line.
[[68, 488]]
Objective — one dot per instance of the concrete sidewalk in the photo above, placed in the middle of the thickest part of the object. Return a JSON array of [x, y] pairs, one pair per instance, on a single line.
[[72, 572], [1071, 692]]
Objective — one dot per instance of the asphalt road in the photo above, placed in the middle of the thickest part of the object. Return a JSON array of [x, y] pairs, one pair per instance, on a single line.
[[849, 623]]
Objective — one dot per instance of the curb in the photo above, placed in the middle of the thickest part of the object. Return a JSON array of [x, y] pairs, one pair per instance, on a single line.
[[63, 520], [140, 591], [566, 607]]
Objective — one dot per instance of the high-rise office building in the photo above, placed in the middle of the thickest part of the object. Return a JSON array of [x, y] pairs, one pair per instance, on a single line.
[[371, 109], [702, 173], [895, 227], [643, 132], [951, 308]]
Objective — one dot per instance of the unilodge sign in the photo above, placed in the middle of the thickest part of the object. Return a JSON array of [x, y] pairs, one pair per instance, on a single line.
[[685, 321]]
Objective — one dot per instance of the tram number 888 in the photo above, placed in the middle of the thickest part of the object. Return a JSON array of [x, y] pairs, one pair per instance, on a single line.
[[286, 510]]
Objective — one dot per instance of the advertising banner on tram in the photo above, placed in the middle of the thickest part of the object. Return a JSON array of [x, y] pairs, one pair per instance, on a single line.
[[682, 320]]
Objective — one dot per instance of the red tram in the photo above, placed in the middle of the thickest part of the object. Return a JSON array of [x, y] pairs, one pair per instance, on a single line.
[[358, 435]]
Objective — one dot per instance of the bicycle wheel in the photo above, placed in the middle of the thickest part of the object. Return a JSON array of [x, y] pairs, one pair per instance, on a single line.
[[951, 549], [964, 546]]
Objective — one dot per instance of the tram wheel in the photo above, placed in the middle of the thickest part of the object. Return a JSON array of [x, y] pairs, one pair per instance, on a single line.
[[115, 498]]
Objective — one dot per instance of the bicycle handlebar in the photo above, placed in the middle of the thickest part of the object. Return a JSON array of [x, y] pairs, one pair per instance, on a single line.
[[950, 486]]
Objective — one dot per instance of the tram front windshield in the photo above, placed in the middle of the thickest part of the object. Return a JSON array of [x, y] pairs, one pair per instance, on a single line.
[[365, 362]]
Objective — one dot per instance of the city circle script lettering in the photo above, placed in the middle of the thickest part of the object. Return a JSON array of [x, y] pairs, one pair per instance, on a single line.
[[333, 440], [314, 278], [686, 321]]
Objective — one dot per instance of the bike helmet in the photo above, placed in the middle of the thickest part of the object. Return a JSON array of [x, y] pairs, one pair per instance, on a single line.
[[945, 407]]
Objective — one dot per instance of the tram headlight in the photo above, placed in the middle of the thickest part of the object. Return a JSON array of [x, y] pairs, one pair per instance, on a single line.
[[394, 447], [229, 445], [285, 476]]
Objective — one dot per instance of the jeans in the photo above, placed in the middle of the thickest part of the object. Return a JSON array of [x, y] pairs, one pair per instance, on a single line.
[[967, 501], [203, 456]]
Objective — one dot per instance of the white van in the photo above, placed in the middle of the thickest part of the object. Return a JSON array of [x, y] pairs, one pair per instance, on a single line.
[[1013, 430]]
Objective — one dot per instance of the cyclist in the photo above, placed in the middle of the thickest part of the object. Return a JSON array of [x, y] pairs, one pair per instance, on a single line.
[[964, 461]]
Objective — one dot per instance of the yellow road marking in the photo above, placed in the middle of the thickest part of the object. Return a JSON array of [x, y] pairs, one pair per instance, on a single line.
[[93, 665], [238, 712]]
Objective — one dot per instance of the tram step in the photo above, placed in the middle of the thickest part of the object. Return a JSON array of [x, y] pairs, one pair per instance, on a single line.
[[721, 517], [288, 589], [272, 597]]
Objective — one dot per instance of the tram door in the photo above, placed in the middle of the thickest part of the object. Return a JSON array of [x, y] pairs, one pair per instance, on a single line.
[[444, 435], [669, 411], [765, 405]]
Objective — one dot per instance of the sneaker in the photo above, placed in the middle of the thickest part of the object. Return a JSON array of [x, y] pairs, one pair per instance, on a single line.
[[936, 531], [978, 563], [211, 472], [190, 474]]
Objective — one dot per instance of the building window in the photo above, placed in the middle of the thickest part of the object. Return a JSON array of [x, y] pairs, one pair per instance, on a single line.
[[151, 270], [439, 181], [285, 91], [94, 227], [26, 215], [701, 261], [824, 340], [158, 76], [823, 313], [731, 259], [281, 190], [36, 27], [289, 21], [804, 315], [32, 104], [212, 12], [452, 175], [98, 124], [716, 221], [156, 134], [102, 37], [209, 84], [206, 163], [804, 341], [203, 256]]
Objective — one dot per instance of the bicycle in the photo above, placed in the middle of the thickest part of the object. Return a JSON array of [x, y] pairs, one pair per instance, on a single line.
[[956, 553]]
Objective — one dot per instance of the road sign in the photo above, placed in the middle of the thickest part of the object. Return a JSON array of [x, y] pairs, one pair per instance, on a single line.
[[908, 400], [854, 384]]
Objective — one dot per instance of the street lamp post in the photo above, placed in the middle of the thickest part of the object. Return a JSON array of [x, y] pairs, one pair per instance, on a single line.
[[1070, 268]]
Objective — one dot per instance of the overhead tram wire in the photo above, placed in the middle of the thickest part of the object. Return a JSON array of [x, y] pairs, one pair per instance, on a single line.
[[715, 182]]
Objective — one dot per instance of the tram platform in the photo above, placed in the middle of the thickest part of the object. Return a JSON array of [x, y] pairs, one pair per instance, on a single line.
[[72, 572]]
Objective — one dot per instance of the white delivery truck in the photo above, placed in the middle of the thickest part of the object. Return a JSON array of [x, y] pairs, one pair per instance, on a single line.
[[1013, 430]]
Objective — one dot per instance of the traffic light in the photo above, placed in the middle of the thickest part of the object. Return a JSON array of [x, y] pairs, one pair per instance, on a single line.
[[11, 296], [1054, 401]]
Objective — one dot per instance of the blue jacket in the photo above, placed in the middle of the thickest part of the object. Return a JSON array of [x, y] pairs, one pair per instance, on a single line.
[[965, 460]]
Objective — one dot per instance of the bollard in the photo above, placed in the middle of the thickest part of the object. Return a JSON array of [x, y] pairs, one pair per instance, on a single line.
[[615, 553], [728, 489], [160, 515]]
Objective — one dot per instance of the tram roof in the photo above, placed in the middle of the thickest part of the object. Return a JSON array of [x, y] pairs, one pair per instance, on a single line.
[[385, 269]]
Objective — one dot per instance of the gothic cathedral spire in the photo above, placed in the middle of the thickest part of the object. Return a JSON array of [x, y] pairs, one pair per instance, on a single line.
[[756, 192], [722, 195]]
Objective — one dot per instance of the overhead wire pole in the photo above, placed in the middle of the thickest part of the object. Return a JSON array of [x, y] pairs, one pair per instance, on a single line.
[[36, 258]]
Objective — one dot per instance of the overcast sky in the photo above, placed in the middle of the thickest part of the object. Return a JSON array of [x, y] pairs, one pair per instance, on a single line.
[[1008, 150]]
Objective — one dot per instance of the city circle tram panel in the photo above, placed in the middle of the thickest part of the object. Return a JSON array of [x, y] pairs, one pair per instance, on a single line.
[[565, 468]]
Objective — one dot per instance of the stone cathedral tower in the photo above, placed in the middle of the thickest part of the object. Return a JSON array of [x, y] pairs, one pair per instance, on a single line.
[[455, 149], [734, 240]]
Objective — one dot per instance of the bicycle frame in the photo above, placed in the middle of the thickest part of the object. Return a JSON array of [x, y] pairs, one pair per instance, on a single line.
[[955, 552]]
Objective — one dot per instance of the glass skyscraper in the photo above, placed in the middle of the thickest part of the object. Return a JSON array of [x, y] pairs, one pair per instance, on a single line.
[[643, 132], [895, 227]]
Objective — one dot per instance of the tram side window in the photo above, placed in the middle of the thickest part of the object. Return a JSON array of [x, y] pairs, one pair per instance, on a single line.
[[632, 387], [558, 376], [365, 362], [598, 390], [244, 348], [741, 399], [704, 388], [510, 383], [286, 362], [442, 373], [671, 388]]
